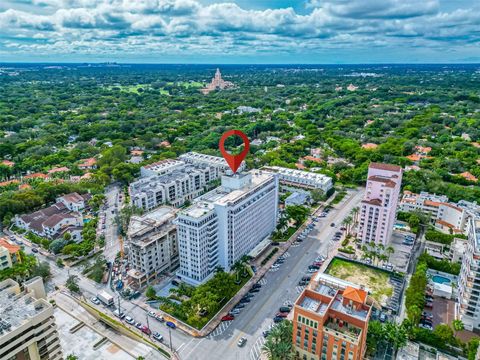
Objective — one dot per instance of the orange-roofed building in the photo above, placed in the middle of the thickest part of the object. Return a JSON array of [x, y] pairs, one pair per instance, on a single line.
[[164, 144], [24, 187], [414, 157], [369, 146], [88, 164], [330, 320], [36, 176], [300, 166], [58, 169], [312, 158], [9, 182], [423, 149], [468, 176], [9, 254], [476, 144], [8, 163], [136, 152]]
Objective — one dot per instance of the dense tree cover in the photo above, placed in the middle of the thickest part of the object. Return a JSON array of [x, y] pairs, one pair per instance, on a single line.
[[278, 345], [56, 117], [23, 269], [441, 265], [415, 293], [202, 302], [439, 237], [386, 333]]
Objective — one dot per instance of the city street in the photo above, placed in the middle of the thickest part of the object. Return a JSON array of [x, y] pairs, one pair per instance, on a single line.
[[113, 204]]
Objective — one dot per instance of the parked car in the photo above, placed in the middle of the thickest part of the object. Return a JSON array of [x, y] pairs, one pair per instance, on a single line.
[[228, 318], [239, 306], [332, 224], [129, 320], [278, 319], [170, 324], [146, 330], [382, 317], [256, 286], [426, 326], [311, 271], [138, 325], [34, 250], [306, 278], [429, 305], [281, 314], [242, 341], [427, 315], [157, 336], [314, 267], [160, 318], [318, 263], [275, 243], [284, 309], [245, 300], [152, 314], [175, 283], [302, 283], [234, 312], [118, 314], [254, 290]]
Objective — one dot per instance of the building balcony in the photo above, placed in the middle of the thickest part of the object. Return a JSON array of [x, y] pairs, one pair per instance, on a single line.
[[345, 331]]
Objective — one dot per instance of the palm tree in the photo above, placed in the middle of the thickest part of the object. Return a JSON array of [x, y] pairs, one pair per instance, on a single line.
[[457, 326], [389, 251], [236, 268], [278, 345], [355, 212]]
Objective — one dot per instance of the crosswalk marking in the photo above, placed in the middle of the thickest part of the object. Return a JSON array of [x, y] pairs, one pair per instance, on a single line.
[[286, 254], [299, 289], [220, 329], [295, 244], [288, 302], [256, 350], [274, 269], [263, 281]]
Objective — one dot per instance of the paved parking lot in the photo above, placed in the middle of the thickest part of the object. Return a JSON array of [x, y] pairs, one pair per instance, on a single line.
[[401, 256], [443, 311]]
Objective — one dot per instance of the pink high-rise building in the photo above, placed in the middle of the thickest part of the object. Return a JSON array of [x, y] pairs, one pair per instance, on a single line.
[[379, 205]]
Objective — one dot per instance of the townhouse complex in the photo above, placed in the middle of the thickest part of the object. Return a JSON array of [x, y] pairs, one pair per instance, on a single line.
[[226, 223], [379, 205], [330, 320], [444, 215], [53, 222], [27, 324]]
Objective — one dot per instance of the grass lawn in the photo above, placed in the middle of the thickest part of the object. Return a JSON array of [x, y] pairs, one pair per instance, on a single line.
[[376, 281], [134, 88], [189, 84]]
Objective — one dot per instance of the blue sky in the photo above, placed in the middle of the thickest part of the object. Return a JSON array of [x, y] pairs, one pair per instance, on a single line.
[[240, 31]]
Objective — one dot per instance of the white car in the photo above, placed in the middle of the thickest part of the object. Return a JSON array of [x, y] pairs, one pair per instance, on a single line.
[[129, 320], [95, 300], [152, 314], [311, 271]]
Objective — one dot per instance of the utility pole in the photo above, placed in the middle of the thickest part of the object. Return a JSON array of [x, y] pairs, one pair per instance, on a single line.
[[148, 325], [170, 336], [119, 309]]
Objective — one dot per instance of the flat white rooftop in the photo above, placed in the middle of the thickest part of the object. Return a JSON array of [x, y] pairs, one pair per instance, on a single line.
[[150, 219]]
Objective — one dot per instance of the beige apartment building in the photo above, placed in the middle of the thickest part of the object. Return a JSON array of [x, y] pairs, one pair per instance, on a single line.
[[27, 326]]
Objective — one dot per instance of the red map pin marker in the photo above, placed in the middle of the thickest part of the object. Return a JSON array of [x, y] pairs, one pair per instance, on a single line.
[[234, 161]]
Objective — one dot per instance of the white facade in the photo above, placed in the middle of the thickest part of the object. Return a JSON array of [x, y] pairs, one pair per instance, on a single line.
[[28, 329], [226, 223], [174, 184], [219, 163], [152, 244], [161, 167], [468, 309], [444, 215], [301, 178], [379, 205]]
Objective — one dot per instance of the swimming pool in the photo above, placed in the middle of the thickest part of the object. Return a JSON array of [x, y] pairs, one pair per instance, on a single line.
[[441, 279]]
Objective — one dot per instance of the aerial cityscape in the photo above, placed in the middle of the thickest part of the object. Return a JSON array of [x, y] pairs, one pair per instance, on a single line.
[[245, 180]]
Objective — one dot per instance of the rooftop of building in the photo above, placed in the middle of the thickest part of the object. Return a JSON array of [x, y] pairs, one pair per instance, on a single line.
[[388, 167], [17, 307], [222, 195], [194, 156], [314, 305], [163, 164], [12, 249], [299, 173], [140, 224]]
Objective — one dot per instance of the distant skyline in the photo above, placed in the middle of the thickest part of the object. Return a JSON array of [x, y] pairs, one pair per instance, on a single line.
[[241, 31]]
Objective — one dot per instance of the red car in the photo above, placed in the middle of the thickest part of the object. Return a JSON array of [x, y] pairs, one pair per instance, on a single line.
[[318, 263], [146, 330], [228, 317], [281, 314]]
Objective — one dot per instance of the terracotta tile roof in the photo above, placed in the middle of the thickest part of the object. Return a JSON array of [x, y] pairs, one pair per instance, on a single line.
[[388, 167], [24, 187], [356, 295], [369, 146], [87, 163], [36, 176], [72, 197], [312, 158], [444, 223], [136, 152], [452, 206], [300, 166], [387, 182], [432, 203], [423, 149], [476, 144], [414, 157], [8, 163], [12, 249], [58, 169], [468, 176], [9, 182]]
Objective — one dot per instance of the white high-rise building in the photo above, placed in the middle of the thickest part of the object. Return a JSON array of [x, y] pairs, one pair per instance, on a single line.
[[468, 309], [379, 205], [226, 223], [219, 163]]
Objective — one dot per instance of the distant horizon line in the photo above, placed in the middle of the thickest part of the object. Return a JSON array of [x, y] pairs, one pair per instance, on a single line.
[[229, 64]]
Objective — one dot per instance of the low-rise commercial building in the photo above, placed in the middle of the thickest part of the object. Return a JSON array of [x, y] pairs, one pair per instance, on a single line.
[[152, 245], [226, 223], [219, 163], [27, 324], [330, 320], [302, 179]]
